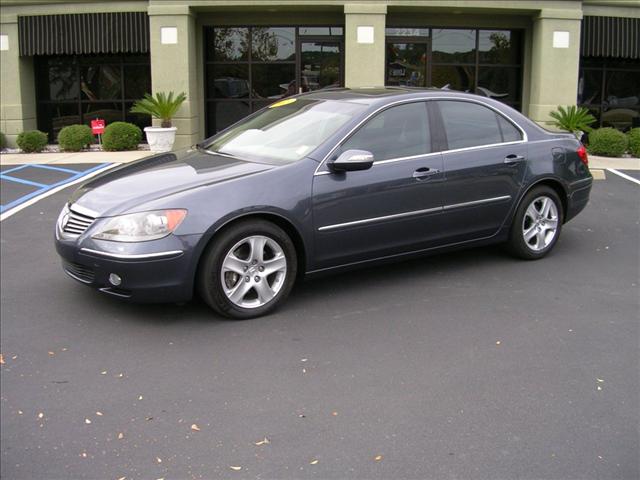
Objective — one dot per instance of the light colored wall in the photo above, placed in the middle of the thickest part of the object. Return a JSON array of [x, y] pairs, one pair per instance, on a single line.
[[554, 71], [17, 102], [364, 62], [174, 67]]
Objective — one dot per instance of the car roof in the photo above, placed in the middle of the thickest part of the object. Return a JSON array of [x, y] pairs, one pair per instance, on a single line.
[[382, 95]]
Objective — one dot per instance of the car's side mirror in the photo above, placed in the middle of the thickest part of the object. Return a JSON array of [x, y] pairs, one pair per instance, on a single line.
[[352, 160]]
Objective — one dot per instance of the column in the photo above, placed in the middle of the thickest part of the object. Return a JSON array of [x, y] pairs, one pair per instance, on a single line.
[[17, 90], [555, 58], [174, 65], [364, 44]]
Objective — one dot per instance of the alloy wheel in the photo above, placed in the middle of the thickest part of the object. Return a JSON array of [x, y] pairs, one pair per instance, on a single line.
[[540, 223], [253, 271]]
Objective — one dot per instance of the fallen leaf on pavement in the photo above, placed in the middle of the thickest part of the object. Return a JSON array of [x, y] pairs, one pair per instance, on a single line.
[[103, 372], [120, 436], [313, 462], [14, 357], [140, 397], [64, 349], [233, 467], [1, 359], [377, 458], [20, 412], [195, 428], [599, 388], [87, 421], [122, 478], [265, 441], [599, 380], [83, 454], [40, 415], [158, 459], [120, 375], [99, 414], [335, 414], [498, 342]]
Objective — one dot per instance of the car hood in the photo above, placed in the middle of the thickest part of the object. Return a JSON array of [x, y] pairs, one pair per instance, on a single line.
[[129, 186]]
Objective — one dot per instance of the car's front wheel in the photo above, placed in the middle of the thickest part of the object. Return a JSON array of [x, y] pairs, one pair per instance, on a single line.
[[537, 224], [249, 270]]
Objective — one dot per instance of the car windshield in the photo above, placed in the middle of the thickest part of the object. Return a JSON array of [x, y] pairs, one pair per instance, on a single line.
[[285, 131]]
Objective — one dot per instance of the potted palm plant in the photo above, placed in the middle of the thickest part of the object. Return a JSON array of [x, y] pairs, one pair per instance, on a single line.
[[163, 107], [572, 119]]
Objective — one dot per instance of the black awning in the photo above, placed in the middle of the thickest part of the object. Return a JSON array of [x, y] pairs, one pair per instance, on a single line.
[[122, 32], [610, 37]]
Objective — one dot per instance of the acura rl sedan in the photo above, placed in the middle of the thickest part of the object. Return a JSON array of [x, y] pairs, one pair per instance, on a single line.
[[319, 182]]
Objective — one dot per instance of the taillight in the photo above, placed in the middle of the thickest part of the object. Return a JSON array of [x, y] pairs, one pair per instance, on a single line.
[[582, 153]]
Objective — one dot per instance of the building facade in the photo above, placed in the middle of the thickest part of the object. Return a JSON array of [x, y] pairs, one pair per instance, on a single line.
[[68, 62]]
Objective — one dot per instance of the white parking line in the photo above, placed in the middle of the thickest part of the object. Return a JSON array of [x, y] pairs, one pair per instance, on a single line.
[[623, 175], [33, 200]]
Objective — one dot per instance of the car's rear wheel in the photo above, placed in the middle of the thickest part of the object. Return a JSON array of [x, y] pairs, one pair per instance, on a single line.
[[537, 224], [248, 271]]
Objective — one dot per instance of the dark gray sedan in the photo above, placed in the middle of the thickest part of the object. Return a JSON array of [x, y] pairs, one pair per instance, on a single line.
[[320, 182]]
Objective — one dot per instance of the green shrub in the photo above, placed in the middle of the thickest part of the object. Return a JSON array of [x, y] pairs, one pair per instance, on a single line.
[[634, 142], [572, 119], [3, 140], [121, 136], [32, 141], [607, 142], [75, 137]]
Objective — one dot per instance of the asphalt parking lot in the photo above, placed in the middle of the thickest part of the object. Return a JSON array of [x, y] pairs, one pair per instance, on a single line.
[[469, 365]]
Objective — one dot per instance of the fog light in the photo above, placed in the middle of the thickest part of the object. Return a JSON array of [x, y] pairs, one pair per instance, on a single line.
[[115, 280]]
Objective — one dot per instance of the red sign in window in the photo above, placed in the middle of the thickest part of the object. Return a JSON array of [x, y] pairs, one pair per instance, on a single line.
[[97, 126]]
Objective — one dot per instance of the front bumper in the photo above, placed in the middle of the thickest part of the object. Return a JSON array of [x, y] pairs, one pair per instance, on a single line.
[[156, 271]]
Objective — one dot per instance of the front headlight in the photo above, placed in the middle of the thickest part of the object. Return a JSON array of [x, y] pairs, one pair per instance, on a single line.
[[141, 227]]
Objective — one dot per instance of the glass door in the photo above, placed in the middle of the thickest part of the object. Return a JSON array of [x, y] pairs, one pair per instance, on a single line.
[[320, 64]]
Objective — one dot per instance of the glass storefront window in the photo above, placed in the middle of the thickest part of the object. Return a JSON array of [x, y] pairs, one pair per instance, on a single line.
[[498, 47], [255, 66], [273, 44], [486, 62], [454, 46], [406, 64], [76, 89], [610, 89], [228, 44], [320, 65], [273, 81]]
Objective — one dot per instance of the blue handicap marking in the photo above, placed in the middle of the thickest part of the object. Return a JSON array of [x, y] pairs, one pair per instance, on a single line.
[[41, 188]]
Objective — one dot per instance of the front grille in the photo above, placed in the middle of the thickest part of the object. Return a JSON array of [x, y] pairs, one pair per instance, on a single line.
[[77, 223], [79, 272]]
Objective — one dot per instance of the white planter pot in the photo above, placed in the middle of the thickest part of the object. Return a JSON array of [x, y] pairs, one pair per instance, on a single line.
[[160, 139]]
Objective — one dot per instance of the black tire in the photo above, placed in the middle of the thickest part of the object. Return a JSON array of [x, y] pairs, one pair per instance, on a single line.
[[210, 273], [517, 243]]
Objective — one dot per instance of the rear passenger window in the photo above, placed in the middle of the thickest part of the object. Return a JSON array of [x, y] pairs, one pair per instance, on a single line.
[[468, 124], [401, 131], [509, 132]]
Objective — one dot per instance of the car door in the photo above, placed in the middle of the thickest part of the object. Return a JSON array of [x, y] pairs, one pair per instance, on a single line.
[[485, 158], [392, 207]]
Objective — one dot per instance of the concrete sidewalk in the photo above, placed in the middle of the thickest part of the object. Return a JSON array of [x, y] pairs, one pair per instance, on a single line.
[[595, 162]]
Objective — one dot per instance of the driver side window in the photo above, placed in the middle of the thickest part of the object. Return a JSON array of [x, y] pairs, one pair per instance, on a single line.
[[397, 132]]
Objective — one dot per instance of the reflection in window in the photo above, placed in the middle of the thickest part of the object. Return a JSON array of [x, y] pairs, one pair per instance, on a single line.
[[454, 77], [468, 124], [77, 89], [406, 64], [229, 44], [610, 89], [401, 131], [258, 65], [496, 46], [454, 46], [499, 83]]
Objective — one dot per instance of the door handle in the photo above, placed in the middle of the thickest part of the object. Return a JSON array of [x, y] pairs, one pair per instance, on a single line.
[[513, 158], [425, 172]]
